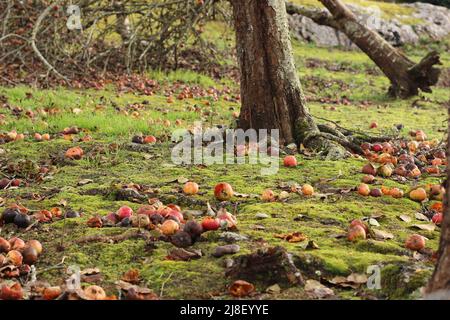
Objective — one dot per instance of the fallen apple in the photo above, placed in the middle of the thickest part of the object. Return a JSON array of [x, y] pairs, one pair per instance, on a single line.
[[210, 223], [149, 139], [375, 192], [75, 153], [22, 220], [418, 194], [94, 293], [36, 245], [437, 218], [368, 179], [359, 222], [415, 242], [16, 243], [15, 257], [396, 193], [193, 228], [307, 190], [30, 255], [290, 161], [356, 233], [190, 188], [13, 292], [124, 212], [5, 246], [369, 169], [268, 195], [363, 189], [223, 191], [9, 214], [169, 227]]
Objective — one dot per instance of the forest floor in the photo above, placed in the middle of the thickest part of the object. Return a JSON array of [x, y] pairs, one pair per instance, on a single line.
[[343, 86]]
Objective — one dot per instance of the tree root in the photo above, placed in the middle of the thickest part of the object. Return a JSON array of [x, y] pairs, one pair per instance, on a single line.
[[269, 265]]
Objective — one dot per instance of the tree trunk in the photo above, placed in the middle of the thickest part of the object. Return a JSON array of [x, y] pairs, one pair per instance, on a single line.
[[406, 77], [441, 276], [271, 93]]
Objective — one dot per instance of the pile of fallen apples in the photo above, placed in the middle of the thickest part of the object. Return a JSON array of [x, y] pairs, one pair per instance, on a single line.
[[6, 183], [167, 219], [407, 159], [17, 256], [21, 217]]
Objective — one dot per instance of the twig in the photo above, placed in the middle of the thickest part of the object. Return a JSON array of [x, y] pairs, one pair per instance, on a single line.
[[35, 48], [56, 266], [163, 284]]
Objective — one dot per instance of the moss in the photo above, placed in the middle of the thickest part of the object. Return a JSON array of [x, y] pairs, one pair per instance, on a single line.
[[401, 282]]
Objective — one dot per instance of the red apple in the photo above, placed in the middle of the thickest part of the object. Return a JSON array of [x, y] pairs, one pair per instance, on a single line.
[[176, 214], [124, 212], [209, 223], [223, 191], [290, 161], [149, 139], [147, 210], [415, 242], [358, 222], [377, 147], [437, 218], [174, 207], [356, 233]]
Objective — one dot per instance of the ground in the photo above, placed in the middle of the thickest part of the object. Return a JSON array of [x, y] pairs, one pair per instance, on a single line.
[[343, 86]]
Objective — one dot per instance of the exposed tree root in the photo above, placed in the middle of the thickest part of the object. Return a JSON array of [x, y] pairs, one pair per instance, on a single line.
[[270, 265]]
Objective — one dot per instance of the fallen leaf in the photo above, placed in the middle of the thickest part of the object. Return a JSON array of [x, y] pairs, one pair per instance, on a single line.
[[131, 276], [421, 217], [405, 218], [373, 222], [84, 182], [292, 237], [181, 254], [382, 235], [273, 289], [426, 227]]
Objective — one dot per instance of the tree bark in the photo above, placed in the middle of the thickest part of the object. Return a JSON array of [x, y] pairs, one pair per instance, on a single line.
[[271, 93], [406, 77], [440, 281]]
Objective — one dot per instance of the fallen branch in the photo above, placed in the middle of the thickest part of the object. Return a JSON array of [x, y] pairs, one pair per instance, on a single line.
[[35, 48]]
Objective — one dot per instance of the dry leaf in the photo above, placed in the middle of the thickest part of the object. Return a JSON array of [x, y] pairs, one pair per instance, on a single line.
[[382, 235], [421, 217], [181, 254], [426, 227], [405, 218], [292, 237], [131, 276]]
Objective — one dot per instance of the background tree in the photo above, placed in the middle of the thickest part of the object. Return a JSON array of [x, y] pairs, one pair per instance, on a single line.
[[406, 76], [271, 93]]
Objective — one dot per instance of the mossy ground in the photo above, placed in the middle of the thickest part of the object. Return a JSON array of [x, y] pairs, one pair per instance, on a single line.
[[336, 75]]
